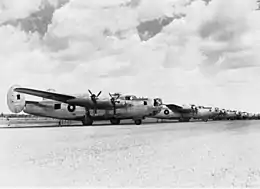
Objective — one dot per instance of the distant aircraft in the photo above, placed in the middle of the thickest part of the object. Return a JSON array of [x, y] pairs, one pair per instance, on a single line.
[[183, 113], [221, 114], [86, 107], [231, 115], [238, 115], [215, 111]]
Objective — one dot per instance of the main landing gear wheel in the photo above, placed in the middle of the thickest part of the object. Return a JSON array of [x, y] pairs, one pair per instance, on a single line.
[[115, 121], [87, 121], [205, 120], [138, 122]]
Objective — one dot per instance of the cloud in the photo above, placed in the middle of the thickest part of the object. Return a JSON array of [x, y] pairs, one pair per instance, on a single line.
[[193, 51], [17, 9]]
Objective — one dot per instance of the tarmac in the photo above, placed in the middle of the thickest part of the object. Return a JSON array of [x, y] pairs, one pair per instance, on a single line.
[[195, 154]]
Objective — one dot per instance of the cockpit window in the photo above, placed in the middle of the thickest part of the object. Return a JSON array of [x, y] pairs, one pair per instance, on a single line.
[[145, 103], [18, 97]]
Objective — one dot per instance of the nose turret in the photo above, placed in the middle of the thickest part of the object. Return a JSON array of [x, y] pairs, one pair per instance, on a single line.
[[157, 102]]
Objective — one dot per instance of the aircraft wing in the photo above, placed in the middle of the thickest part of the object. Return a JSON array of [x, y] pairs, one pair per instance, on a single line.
[[45, 94], [73, 100], [180, 109]]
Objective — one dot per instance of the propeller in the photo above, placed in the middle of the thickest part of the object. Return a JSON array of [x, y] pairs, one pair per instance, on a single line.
[[113, 101], [193, 108], [94, 98]]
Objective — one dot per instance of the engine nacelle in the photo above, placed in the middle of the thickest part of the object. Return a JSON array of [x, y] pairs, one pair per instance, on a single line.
[[15, 100]]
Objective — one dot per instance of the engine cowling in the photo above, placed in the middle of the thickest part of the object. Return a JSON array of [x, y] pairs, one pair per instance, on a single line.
[[15, 100]]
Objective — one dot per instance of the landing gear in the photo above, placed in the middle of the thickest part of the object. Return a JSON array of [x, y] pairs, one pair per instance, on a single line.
[[115, 121], [138, 121], [87, 120]]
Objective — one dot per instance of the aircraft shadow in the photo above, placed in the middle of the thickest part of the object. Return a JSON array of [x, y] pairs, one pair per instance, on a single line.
[[80, 125], [108, 124]]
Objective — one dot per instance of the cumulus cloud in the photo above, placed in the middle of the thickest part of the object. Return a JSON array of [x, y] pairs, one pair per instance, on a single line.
[[15, 9], [207, 53]]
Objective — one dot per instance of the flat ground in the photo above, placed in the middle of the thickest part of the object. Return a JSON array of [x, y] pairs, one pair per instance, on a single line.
[[196, 154]]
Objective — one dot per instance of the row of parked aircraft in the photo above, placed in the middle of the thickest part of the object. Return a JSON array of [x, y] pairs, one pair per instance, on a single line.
[[116, 107]]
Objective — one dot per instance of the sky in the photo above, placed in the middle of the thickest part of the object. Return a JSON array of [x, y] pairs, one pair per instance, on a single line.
[[208, 54]]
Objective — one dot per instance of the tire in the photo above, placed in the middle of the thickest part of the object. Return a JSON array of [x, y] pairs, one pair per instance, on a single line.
[[115, 121], [138, 122], [87, 121]]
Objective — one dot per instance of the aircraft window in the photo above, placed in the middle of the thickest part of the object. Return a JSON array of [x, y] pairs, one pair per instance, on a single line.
[[145, 103], [18, 97], [57, 106]]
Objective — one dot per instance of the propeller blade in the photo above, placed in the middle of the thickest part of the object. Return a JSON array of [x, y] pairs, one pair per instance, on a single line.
[[90, 92], [113, 101], [99, 93]]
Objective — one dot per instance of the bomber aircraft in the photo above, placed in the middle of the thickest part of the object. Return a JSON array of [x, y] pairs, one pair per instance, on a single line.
[[231, 115], [183, 113], [85, 108], [215, 111]]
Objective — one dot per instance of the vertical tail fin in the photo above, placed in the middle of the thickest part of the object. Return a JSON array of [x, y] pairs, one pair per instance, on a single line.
[[15, 100]]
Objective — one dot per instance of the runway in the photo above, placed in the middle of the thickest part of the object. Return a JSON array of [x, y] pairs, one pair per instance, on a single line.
[[195, 154]]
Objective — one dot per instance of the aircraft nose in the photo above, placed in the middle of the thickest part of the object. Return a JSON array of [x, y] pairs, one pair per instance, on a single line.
[[155, 112]]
